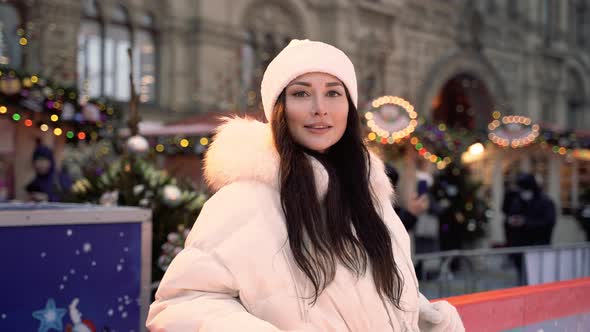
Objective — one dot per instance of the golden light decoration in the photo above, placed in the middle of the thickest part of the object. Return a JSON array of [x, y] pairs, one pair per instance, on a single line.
[[54, 117], [476, 149], [390, 119], [513, 131], [204, 141], [23, 41], [160, 148], [44, 127], [184, 143], [3, 109], [57, 131], [473, 153]]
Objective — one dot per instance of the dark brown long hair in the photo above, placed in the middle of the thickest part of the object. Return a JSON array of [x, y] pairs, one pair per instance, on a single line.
[[346, 228]]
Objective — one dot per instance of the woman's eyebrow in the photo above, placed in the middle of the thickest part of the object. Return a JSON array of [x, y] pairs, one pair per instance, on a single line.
[[329, 84], [301, 83]]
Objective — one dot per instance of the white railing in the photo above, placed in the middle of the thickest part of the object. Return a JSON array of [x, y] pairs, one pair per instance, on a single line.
[[458, 272]]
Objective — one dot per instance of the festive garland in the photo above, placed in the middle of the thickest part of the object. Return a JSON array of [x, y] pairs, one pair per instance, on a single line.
[[441, 145], [34, 101], [391, 119], [180, 144], [514, 130]]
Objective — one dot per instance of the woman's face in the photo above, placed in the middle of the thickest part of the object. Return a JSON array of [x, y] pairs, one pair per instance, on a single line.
[[316, 108]]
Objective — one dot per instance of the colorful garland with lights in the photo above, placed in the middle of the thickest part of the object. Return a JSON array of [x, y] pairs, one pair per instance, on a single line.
[[390, 119], [441, 145], [34, 101], [514, 130], [179, 144]]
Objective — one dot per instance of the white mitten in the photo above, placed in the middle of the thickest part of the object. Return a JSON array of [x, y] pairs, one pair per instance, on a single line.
[[439, 316]]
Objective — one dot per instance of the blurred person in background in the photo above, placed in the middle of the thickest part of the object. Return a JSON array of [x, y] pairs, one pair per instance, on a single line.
[[48, 184], [530, 213], [583, 213], [415, 206], [530, 217]]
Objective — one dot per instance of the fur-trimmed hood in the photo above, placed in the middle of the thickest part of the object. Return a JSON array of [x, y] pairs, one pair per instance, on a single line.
[[243, 150]]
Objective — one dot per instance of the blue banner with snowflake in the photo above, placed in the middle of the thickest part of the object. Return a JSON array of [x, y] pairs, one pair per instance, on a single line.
[[71, 278]]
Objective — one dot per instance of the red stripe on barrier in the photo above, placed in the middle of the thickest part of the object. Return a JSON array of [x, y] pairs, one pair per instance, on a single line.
[[520, 306]]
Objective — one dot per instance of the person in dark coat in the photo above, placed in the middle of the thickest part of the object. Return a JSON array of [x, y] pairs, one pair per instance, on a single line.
[[583, 213], [47, 186], [530, 214], [530, 218]]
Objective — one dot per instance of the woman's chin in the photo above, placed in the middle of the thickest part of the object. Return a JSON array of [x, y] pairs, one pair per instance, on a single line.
[[319, 148]]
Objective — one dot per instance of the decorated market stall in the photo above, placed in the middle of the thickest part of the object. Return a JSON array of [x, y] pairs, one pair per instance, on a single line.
[[74, 267]]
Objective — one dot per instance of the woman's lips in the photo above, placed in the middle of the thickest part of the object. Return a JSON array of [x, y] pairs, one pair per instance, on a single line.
[[318, 129]]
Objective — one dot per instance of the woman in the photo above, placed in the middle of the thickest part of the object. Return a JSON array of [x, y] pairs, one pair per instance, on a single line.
[[301, 235]]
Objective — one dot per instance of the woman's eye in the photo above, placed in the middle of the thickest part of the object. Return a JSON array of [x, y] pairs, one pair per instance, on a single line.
[[334, 93], [299, 94]]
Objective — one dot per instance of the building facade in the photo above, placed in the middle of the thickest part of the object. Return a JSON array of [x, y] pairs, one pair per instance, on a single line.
[[528, 57]]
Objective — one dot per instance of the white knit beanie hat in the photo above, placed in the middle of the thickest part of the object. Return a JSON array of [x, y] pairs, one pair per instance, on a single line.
[[298, 58]]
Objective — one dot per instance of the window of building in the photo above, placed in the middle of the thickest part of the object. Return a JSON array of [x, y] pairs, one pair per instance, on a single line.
[[512, 9], [492, 6], [103, 59], [579, 22], [547, 110], [575, 101], [117, 65], [10, 34], [547, 19], [89, 51]]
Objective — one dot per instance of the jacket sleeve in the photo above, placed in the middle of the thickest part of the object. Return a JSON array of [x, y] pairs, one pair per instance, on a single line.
[[198, 291], [440, 316]]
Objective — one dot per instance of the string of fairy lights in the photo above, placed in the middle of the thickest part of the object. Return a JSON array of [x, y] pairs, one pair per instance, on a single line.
[[509, 131], [181, 145], [35, 102], [32, 101], [53, 125]]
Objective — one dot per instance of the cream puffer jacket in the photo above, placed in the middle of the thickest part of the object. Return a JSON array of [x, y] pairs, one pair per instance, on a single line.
[[237, 272]]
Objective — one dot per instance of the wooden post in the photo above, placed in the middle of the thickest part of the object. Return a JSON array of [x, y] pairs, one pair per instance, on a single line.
[[134, 118]]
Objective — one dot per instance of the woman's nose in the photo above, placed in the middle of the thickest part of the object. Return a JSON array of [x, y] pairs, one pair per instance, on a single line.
[[319, 107]]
